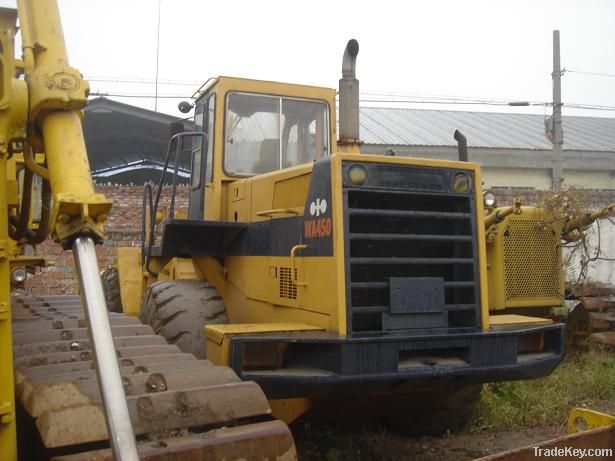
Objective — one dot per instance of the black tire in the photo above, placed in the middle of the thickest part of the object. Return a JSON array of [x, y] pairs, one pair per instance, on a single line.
[[451, 411], [179, 311], [111, 287]]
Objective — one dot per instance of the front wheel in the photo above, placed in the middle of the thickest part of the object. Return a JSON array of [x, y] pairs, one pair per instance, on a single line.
[[110, 280], [179, 311]]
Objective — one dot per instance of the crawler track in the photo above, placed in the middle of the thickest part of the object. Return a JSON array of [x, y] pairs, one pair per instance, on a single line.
[[180, 407]]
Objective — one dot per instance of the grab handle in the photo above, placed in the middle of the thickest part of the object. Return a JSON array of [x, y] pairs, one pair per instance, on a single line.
[[293, 254]]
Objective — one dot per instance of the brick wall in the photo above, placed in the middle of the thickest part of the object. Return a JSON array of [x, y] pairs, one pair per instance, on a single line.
[[123, 228], [505, 195]]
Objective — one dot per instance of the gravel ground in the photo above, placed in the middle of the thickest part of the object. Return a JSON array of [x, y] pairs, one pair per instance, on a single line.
[[369, 441]]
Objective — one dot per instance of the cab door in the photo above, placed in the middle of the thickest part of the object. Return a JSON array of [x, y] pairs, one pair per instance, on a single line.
[[201, 162]]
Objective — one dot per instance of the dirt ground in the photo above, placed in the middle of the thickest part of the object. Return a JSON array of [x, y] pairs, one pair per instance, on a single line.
[[371, 441]]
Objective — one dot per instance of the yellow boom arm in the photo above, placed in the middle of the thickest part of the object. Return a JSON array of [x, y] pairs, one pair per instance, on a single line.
[[57, 93], [42, 114]]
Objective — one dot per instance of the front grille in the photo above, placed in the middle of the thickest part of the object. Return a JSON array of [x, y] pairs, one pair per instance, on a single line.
[[410, 235], [532, 260]]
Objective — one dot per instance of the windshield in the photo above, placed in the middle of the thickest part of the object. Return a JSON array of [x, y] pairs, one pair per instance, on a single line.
[[266, 133]]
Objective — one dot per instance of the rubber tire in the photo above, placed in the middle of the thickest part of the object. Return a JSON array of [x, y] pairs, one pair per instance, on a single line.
[[110, 280], [179, 310], [450, 412]]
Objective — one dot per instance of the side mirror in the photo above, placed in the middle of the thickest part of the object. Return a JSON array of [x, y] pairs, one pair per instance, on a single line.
[[185, 107]]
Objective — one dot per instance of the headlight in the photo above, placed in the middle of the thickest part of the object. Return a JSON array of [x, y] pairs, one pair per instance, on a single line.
[[357, 174], [489, 199], [19, 275], [461, 182]]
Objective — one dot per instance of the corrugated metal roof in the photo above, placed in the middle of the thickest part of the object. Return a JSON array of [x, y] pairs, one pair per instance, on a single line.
[[420, 127]]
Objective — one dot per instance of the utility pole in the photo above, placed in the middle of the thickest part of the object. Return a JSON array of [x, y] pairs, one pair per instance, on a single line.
[[557, 134]]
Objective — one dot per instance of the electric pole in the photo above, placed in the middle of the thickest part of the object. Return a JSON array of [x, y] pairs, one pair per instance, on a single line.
[[557, 134]]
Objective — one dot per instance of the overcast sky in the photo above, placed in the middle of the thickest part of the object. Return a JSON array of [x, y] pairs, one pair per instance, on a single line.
[[492, 50]]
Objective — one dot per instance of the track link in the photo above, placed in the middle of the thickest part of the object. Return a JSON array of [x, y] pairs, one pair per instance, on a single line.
[[180, 407]]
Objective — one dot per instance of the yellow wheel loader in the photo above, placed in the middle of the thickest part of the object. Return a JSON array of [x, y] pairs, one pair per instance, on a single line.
[[339, 282]]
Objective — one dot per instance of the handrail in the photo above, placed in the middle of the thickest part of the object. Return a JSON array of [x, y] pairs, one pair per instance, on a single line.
[[147, 193], [277, 211], [293, 254], [177, 142]]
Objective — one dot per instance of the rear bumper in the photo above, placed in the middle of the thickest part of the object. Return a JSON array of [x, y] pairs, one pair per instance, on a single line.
[[312, 364]]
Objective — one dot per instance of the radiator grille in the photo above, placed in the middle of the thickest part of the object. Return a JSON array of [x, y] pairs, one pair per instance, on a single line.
[[532, 260], [409, 234], [288, 289]]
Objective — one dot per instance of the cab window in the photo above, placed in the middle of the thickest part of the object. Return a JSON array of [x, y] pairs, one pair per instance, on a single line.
[[204, 119], [210, 119], [197, 151], [265, 133]]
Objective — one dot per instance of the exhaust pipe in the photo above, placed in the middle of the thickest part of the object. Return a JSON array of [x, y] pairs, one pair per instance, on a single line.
[[349, 96], [462, 145]]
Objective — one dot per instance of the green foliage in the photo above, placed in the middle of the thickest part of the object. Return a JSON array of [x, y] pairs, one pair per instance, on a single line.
[[583, 379]]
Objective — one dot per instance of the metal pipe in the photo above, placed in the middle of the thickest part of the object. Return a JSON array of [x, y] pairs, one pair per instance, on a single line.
[[154, 210], [24, 209], [498, 215], [462, 145], [177, 144], [178, 147], [43, 224], [586, 219], [349, 95], [14, 222], [119, 427], [37, 169], [26, 39], [147, 193]]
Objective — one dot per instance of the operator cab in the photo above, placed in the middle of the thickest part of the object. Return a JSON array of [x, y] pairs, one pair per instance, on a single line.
[[254, 127]]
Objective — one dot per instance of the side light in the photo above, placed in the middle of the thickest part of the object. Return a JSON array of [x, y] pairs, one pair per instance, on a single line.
[[489, 199], [19, 275], [357, 174], [461, 183]]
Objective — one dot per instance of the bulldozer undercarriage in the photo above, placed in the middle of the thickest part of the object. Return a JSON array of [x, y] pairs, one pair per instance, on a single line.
[[180, 407]]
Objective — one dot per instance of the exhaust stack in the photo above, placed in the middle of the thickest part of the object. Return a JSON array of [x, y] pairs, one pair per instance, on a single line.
[[349, 100], [462, 145]]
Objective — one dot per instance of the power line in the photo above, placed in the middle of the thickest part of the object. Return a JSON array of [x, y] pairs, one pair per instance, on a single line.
[[487, 103], [141, 81], [395, 100], [415, 101], [143, 96], [598, 74], [377, 96], [589, 107]]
